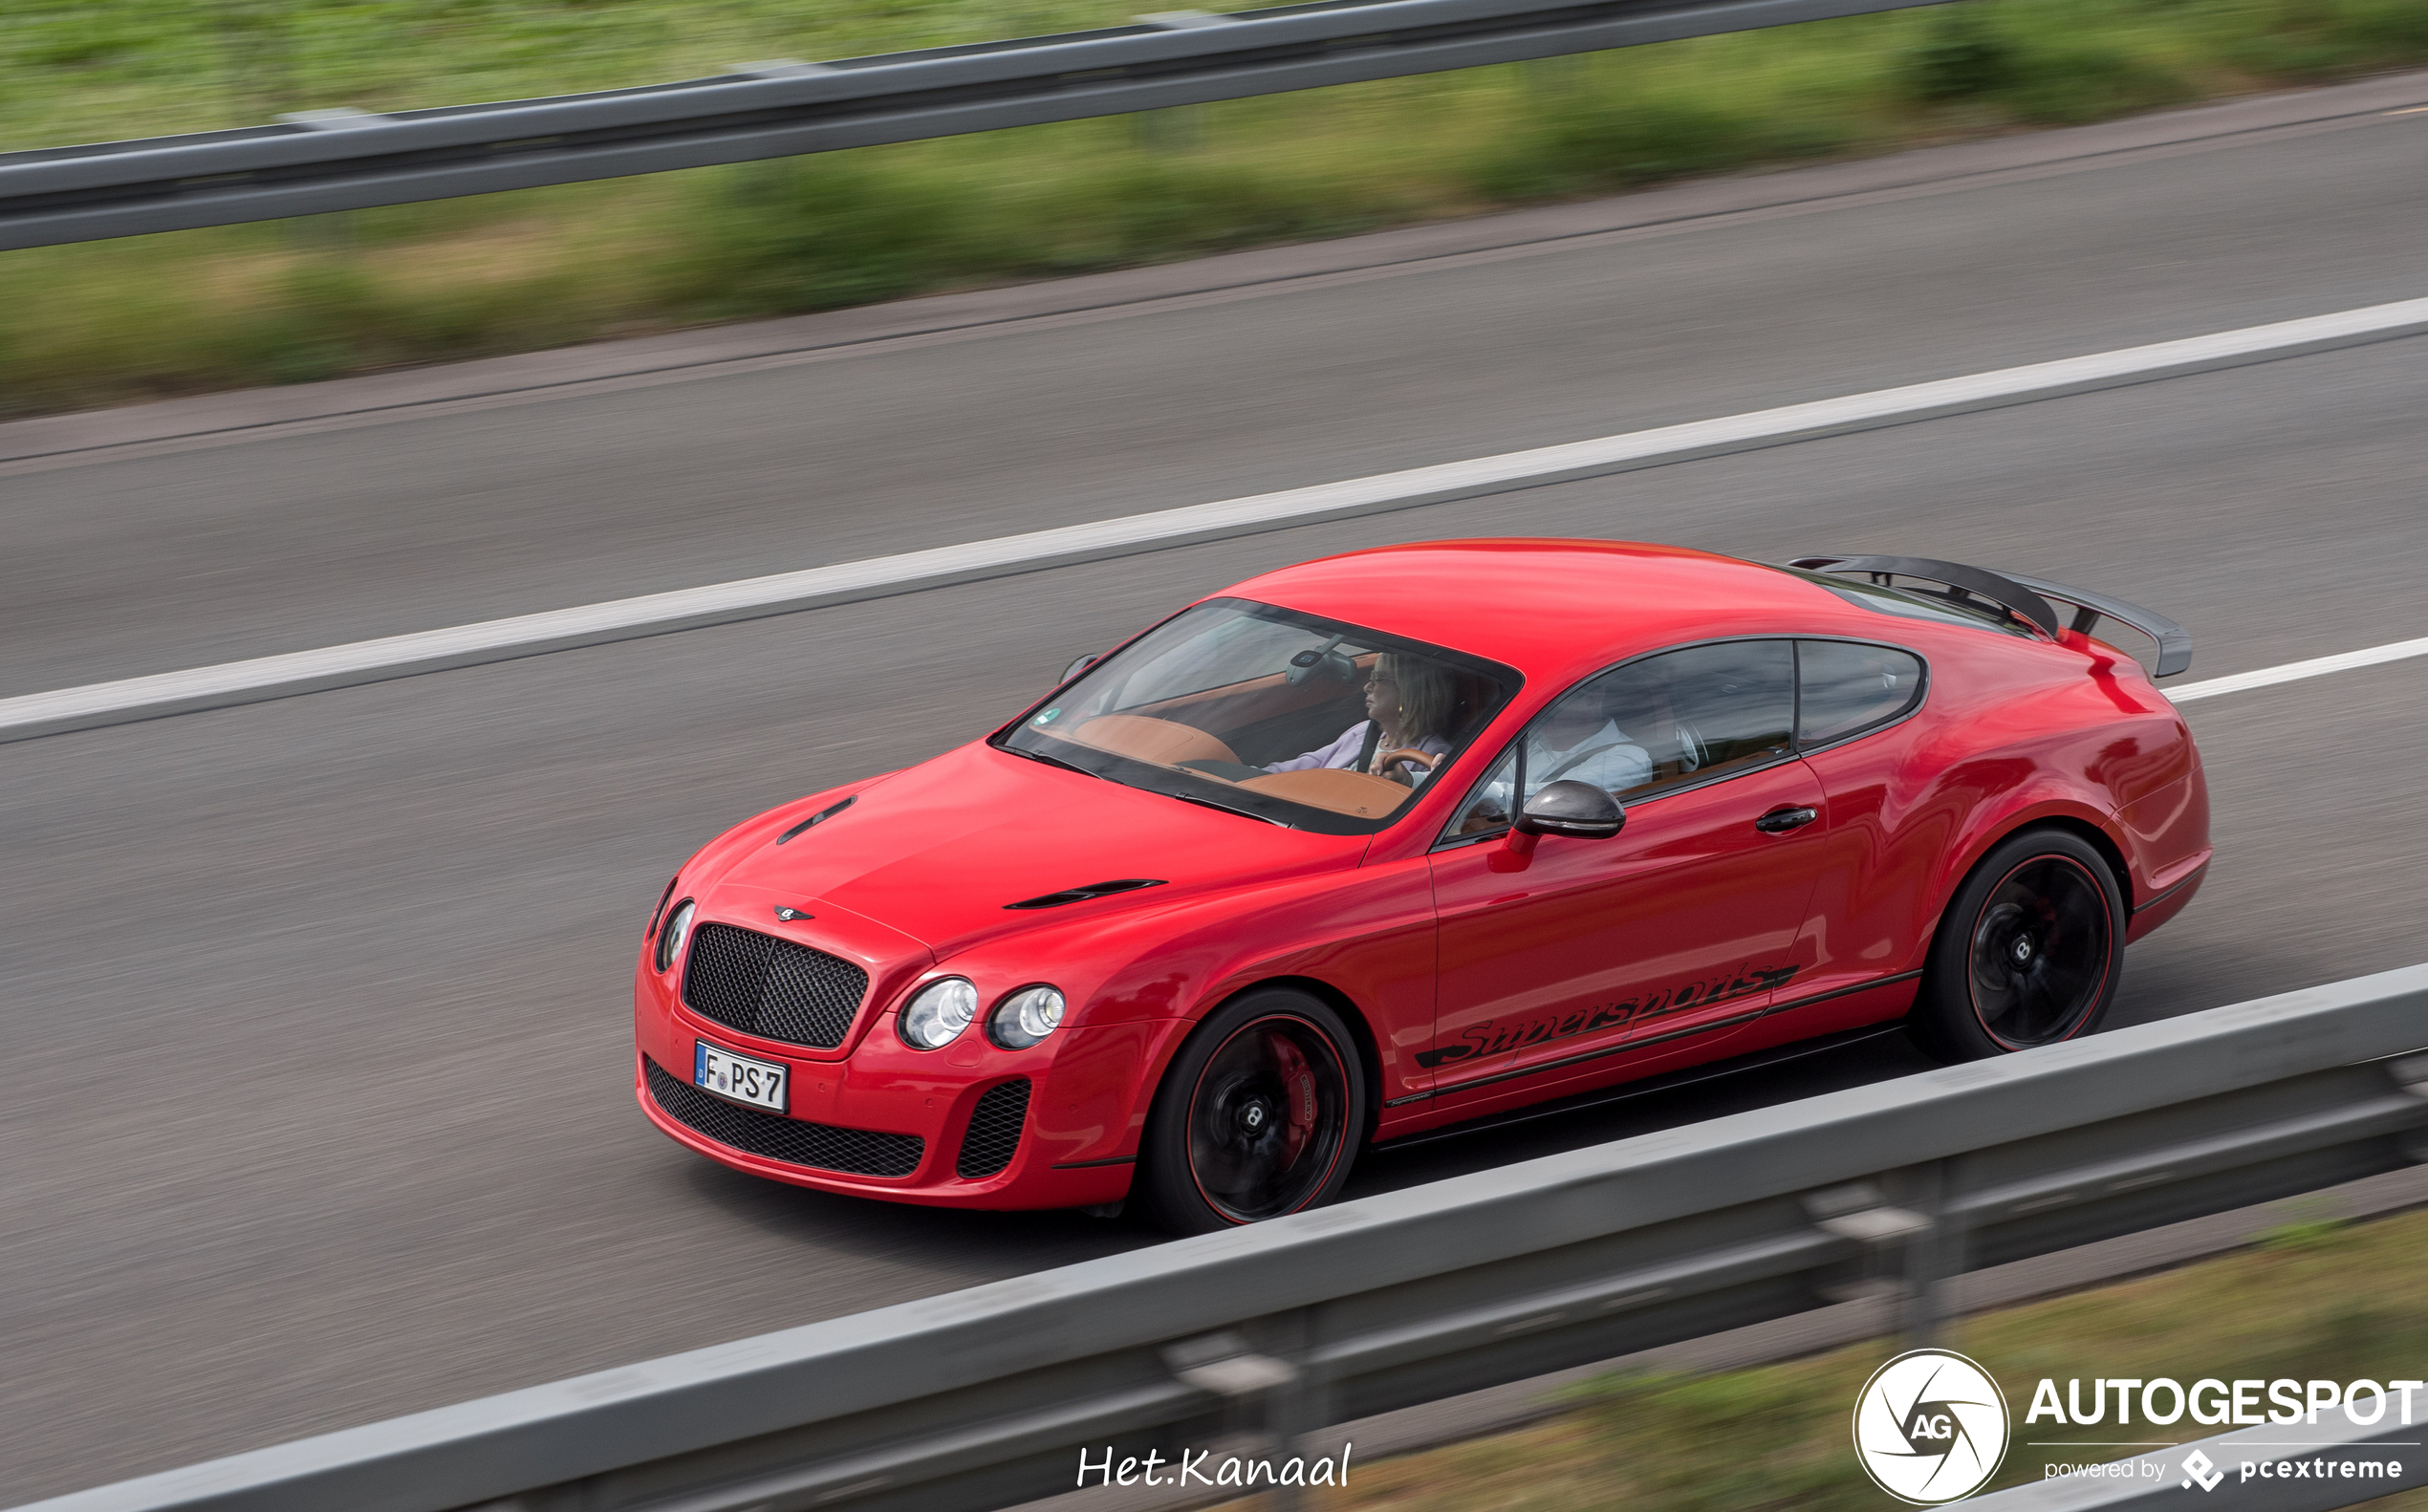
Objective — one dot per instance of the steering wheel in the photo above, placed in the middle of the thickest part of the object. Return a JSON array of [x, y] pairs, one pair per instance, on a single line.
[[1407, 753]]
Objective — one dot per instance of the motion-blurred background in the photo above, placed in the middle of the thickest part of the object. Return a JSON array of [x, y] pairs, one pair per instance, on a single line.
[[317, 1107], [337, 295]]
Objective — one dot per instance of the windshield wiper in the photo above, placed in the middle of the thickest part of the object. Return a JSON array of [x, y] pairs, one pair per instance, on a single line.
[[1208, 803], [1052, 761]]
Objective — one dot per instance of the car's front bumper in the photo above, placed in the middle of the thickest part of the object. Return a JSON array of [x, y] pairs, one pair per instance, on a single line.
[[853, 1120]]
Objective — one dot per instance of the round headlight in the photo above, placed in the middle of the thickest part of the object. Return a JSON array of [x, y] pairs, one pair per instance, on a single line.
[[1024, 1018], [937, 1016], [672, 934]]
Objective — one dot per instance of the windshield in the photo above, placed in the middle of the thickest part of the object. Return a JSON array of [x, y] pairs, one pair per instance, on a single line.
[[1278, 715]]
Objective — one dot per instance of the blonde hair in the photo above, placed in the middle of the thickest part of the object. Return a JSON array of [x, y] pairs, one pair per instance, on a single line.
[[1427, 695]]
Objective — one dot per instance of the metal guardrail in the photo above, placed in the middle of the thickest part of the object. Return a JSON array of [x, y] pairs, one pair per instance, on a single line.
[[324, 160], [984, 1398]]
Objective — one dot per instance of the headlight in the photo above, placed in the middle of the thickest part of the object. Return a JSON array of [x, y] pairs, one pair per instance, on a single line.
[[672, 934], [1024, 1018], [937, 1016]]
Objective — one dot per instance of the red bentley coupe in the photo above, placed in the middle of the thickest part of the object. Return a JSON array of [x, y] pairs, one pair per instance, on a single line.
[[1414, 836]]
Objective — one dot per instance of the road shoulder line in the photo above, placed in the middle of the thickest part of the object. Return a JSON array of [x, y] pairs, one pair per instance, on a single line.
[[228, 683]]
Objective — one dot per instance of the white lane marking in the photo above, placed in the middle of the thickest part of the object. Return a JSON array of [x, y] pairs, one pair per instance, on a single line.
[[232, 682], [2295, 671]]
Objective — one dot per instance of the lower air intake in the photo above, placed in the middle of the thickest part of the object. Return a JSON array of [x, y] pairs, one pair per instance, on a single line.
[[796, 1141], [994, 1131]]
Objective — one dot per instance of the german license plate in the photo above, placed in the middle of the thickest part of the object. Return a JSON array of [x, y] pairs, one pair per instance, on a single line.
[[758, 1083]]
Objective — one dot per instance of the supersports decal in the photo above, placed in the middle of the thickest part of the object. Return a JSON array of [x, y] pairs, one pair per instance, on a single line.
[[1494, 1039]]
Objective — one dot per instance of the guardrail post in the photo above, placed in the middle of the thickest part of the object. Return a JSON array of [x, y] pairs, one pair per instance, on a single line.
[[1858, 1211], [1566, 74], [1934, 1256], [1177, 128], [1224, 1364]]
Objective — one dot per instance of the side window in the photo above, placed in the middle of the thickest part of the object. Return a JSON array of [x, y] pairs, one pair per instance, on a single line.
[[1848, 688], [1487, 809], [1704, 710], [1648, 726]]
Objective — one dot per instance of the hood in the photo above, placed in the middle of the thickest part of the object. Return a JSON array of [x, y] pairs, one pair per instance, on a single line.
[[939, 851]]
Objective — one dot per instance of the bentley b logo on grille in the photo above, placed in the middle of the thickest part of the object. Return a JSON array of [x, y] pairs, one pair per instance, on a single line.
[[786, 912]]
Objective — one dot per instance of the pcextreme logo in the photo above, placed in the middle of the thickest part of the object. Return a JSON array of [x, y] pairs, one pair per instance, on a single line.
[[1930, 1427]]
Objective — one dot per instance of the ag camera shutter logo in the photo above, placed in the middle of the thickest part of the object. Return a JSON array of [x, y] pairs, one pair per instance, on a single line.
[[1930, 1427]]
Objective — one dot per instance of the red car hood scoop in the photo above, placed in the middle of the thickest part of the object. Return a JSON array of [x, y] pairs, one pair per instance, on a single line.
[[1082, 895], [975, 843]]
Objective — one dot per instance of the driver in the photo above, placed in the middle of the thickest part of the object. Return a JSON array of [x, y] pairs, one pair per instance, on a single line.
[[1408, 707]]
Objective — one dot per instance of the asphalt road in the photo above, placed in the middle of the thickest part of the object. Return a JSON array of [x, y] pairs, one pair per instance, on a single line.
[[310, 540], [316, 1106]]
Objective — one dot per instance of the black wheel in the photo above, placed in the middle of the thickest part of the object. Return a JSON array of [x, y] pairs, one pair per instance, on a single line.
[[2028, 952], [1259, 1115]]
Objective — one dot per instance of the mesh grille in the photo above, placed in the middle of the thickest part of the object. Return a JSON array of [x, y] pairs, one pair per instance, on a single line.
[[994, 1130], [772, 987], [796, 1141]]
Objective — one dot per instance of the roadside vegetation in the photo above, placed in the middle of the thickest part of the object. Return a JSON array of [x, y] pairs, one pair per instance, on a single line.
[[2315, 1300], [318, 297]]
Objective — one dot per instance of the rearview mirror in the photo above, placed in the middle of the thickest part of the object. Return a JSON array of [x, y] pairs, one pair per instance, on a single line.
[[1578, 810], [1080, 666]]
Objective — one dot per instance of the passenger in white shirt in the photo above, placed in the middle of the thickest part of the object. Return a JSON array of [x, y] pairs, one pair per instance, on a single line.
[[1577, 741], [1408, 707]]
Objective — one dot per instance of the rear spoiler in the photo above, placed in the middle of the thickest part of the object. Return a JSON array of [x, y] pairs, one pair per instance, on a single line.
[[2025, 597]]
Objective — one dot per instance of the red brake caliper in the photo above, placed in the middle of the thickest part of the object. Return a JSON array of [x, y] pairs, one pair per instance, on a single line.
[[1299, 1079]]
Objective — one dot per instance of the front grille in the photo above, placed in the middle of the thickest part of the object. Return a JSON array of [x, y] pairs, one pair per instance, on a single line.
[[795, 1141], [994, 1130], [772, 987]]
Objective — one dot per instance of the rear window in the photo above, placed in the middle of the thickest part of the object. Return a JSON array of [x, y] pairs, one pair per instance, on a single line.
[[1845, 688], [1954, 607]]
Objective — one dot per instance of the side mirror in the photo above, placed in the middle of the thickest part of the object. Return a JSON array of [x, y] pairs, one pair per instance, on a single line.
[[1576, 809], [1080, 666]]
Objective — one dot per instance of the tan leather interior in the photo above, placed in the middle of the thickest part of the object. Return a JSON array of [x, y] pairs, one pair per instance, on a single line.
[[1143, 739], [1352, 793], [1258, 698]]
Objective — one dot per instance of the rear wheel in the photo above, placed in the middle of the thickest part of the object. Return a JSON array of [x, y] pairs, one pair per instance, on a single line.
[[1258, 1115], [2028, 953]]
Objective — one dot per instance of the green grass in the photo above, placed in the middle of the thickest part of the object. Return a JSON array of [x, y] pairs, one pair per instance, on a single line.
[[298, 300], [2319, 1301]]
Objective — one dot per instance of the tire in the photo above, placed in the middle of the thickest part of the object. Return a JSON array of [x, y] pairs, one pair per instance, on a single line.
[[2028, 953], [1260, 1114]]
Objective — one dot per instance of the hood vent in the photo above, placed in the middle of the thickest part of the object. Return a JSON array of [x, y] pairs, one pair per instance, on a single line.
[[819, 817], [1082, 894]]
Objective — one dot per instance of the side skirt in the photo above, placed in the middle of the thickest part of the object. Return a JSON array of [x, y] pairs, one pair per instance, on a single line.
[[1626, 1047]]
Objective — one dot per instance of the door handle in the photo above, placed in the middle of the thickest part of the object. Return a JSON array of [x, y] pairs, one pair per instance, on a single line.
[[1779, 821]]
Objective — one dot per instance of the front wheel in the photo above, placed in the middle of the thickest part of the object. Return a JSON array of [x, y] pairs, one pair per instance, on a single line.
[[2028, 953], [1259, 1115]]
